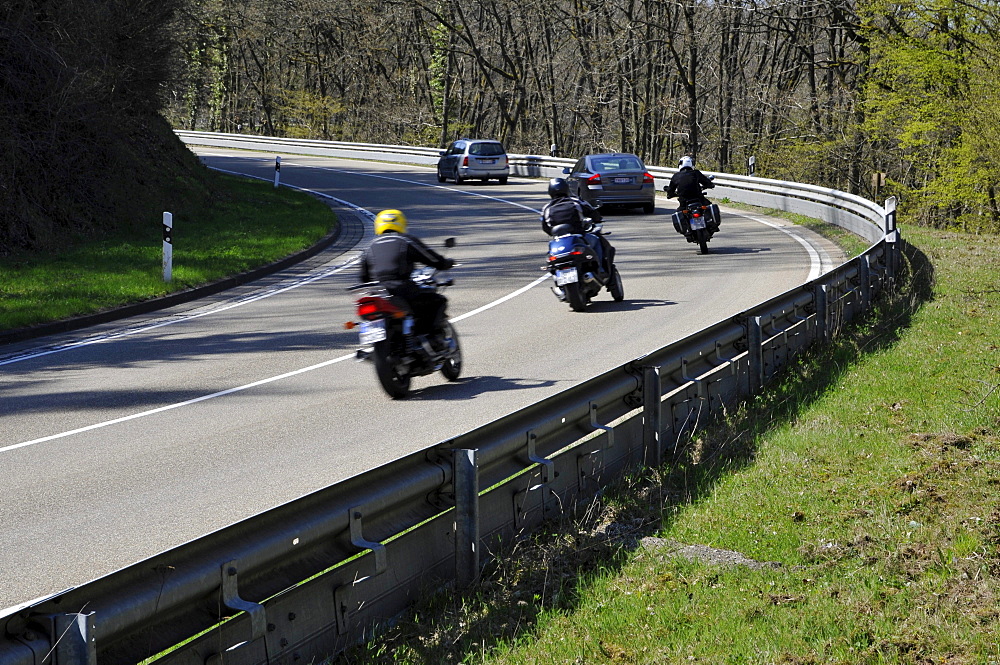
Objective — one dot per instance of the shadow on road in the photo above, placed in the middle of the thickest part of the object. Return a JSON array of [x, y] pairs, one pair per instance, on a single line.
[[473, 386]]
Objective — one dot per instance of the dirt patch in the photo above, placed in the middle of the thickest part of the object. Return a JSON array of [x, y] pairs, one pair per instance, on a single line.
[[704, 554]]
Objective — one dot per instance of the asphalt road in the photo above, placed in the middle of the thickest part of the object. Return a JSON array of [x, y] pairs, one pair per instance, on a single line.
[[123, 440]]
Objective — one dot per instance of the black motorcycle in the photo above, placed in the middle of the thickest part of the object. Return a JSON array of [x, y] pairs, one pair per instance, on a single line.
[[574, 265], [697, 221], [386, 337]]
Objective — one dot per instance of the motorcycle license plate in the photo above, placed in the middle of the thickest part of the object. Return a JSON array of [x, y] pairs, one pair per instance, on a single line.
[[697, 222], [371, 332], [623, 181], [567, 276]]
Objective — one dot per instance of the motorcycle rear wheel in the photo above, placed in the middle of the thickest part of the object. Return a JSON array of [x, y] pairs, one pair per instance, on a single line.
[[702, 236], [615, 286], [574, 294], [452, 367], [395, 384]]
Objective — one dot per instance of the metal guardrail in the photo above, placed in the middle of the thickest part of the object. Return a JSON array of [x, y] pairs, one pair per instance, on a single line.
[[310, 577]]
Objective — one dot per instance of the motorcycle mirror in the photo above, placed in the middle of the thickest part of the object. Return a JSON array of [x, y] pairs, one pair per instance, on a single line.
[[449, 242], [666, 187], [566, 170], [711, 177]]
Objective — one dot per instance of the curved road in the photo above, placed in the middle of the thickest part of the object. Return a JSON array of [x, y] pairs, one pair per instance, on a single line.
[[130, 438]]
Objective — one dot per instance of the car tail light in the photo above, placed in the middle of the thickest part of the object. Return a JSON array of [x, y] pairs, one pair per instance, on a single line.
[[465, 162], [596, 178], [647, 179]]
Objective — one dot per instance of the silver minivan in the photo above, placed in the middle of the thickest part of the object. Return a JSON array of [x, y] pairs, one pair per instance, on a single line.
[[473, 159]]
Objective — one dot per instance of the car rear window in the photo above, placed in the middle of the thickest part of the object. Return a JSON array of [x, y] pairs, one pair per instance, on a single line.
[[486, 149], [618, 163]]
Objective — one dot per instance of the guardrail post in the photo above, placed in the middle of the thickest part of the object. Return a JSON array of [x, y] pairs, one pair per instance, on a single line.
[[755, 354], [819, 295], [74, 639], [466, 517], [651, 416], [865, 279]]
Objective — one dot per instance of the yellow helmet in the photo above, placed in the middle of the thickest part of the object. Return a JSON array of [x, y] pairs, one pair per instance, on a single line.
[[390, 220]]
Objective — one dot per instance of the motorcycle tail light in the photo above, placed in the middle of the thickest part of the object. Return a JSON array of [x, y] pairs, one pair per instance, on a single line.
[[576, 252], [647, 179], [697, 214], [367, 309], [552, 257]]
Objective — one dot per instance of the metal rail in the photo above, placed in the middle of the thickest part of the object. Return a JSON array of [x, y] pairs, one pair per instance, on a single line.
[[310, 577]]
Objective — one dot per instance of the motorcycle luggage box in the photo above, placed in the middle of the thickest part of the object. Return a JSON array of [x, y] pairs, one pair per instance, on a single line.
[[715, 216], [680, 222]]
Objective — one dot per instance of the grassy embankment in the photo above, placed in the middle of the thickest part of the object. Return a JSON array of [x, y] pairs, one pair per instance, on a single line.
[[864, 489], [247, 225]]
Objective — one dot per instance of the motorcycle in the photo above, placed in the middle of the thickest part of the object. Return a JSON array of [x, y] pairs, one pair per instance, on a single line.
[[387, 338], [573, 264], [697, 221]]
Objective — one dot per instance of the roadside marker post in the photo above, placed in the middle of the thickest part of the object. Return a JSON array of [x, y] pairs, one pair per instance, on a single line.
[[168, 246], [277, 171]]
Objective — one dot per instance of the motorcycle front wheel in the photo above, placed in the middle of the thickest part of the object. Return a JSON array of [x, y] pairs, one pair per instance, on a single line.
[[395, 384], [452, 367], [574, 294]]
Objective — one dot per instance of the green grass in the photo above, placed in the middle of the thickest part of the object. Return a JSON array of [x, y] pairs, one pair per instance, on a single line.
[[249, 224], [870, 473]]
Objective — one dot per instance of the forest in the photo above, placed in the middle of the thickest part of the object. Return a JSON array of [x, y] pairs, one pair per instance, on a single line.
[[873, 97]]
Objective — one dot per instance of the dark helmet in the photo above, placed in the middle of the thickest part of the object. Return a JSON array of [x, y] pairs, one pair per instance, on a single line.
[[558, 187]]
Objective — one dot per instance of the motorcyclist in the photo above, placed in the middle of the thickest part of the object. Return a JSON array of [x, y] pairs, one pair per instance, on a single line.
[[390, 259], [688, 184], [568, 214]]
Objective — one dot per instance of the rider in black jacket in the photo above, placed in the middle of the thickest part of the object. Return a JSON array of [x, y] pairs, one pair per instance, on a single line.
[[688, 184], [390, 259], [568, 214]]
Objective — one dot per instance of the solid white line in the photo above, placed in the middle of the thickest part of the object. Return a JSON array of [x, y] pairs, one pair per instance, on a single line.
[[261, 382], [177, 405], [237, 389], [815, 262]]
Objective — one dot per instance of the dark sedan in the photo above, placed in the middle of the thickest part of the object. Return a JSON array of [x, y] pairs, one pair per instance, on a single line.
[[613, 179]]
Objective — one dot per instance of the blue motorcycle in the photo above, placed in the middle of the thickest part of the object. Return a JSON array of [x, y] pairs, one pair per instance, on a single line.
[[579, 269]]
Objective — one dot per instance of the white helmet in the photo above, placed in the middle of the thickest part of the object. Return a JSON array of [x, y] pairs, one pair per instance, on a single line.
[[685, 163]]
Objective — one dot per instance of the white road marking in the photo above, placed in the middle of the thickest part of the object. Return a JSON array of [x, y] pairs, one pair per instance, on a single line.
[[813, 256], [815, 262]]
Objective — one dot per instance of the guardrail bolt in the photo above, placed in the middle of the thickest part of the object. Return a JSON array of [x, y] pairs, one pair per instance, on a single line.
[[291, 616], [284, 641], [271, 628], [231, 571]]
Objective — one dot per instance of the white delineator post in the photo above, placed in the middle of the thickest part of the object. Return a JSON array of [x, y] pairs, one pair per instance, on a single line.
[[277, 170], [168, 246]]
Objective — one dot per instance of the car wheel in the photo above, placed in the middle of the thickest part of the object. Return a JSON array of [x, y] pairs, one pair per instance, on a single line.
[[503, 180], [649, 208], [457, 178], [441, 177]]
